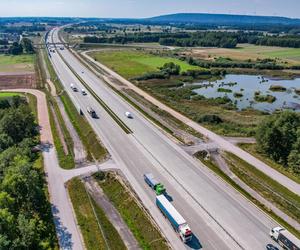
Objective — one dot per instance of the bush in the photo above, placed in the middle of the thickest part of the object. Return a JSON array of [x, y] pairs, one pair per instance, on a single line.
[[211, 119]]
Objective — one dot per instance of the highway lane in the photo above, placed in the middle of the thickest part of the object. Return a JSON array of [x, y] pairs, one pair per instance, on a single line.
[[186, 179]]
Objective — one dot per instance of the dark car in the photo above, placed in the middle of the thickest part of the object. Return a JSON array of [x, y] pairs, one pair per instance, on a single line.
[[271, 247]]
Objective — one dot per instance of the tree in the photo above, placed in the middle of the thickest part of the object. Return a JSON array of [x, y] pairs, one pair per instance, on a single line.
[[15, 49], [18, 124], [294, 156], [170, 68], [27, 45]]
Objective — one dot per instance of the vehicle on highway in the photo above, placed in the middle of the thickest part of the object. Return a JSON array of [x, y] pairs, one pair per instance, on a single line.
[[154, 184], [129, 115], [177, 221], [61, 48], [73, 87], [83, 92], [271, 247], [91, 112], [285, 238]]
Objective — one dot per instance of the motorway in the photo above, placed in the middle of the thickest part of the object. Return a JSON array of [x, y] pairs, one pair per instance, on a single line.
[[218, 215]]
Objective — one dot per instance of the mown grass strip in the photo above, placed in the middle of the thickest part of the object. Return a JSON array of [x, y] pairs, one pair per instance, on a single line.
[[65, 161], [89, 214], [134, 216], [212, 166], [95, 150], [126, 129]]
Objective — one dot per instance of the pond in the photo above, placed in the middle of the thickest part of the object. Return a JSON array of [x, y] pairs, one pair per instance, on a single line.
[[248, 86]]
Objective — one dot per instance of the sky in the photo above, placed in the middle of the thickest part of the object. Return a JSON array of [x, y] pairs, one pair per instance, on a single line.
[[146, 8]]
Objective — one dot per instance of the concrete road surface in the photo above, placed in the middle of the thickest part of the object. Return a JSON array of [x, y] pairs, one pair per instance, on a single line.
[[218, 215]]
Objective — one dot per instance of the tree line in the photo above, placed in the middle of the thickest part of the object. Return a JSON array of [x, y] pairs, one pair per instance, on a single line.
[[25, 46], [201, 39], [221, 62], [25, 213]]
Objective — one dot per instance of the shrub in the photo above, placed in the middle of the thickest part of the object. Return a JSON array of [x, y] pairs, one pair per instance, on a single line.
[[211, 119]]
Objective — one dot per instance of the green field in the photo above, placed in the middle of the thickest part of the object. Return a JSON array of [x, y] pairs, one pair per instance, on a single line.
[[22, 63], [8, 94], [132, 63]]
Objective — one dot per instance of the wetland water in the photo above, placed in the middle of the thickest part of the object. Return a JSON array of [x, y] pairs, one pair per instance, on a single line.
[[248, 85]]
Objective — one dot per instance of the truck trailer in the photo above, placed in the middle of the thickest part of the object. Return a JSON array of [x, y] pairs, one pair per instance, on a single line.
[[177, 221], [154, 184], [285, 239]]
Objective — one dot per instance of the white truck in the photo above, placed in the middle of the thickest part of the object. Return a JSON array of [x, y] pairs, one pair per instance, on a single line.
[[177, 221], [285, 239]]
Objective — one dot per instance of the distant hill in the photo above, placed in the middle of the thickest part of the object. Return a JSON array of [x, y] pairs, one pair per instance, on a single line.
[[222, 19]]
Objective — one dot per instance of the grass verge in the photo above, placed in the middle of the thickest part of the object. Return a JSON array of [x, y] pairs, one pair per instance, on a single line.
[[65, 161], [88, 214], [132, 213], [251, 148], [212, 166], [268, 188]]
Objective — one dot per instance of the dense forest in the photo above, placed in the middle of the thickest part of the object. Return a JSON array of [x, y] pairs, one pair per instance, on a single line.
[[279, 137], [25, 214], [202, 39]]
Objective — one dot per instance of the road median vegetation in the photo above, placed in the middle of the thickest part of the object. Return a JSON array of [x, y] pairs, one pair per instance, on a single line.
[[96, 229], [140, 224]]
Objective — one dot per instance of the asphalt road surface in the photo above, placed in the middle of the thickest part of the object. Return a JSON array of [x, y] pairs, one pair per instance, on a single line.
[[219, 216]]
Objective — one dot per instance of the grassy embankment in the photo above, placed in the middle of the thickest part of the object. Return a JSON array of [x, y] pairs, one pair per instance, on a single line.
[[92, 144], [252, 149], [96, 229], [212, 166], [271, 190], [132, 213], [130, 63]]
